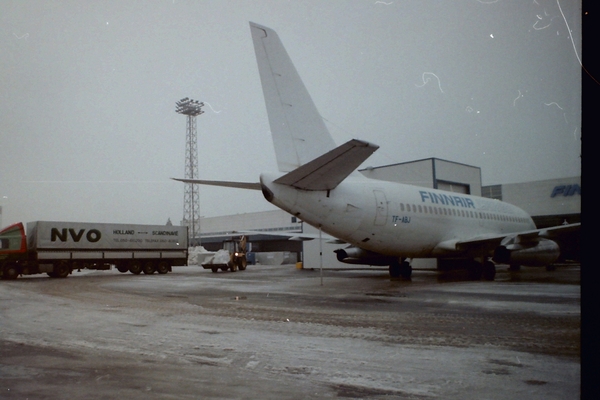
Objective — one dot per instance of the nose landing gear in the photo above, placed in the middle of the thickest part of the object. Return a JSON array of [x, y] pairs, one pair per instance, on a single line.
[[400, 269]]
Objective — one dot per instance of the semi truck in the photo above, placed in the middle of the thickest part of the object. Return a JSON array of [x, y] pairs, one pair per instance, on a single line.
[[58, 248]]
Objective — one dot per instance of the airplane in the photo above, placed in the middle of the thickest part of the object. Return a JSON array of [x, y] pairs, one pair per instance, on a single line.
[[384, 223]]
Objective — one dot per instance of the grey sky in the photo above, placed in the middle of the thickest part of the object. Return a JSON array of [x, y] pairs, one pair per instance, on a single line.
[[88, 129]]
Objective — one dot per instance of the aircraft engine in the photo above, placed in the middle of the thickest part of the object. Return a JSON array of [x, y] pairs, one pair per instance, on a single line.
[[356, 255], [539, 254]]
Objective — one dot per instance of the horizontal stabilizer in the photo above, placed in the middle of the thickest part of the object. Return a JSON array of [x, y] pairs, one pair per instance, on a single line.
[[327, 171], [239, 185]]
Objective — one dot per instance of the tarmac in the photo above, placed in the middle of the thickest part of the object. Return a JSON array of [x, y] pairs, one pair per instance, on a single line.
[[274, 332]]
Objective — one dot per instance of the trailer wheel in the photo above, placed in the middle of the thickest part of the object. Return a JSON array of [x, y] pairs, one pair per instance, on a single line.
[[10, 272], [149, 268], [122, 268], [163, 267], [61, 270], [214, 269], [135, 267]]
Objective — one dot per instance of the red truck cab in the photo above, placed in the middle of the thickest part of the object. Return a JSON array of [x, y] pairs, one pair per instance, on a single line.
[[13, 249]]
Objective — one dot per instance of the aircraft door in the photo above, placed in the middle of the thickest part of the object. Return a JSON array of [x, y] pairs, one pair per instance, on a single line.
[[381, 209]]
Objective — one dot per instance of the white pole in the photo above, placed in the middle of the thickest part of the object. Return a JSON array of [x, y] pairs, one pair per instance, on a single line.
[[321, 254]]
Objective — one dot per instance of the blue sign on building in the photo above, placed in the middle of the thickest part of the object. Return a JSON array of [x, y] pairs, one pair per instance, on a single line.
[[566, 190]]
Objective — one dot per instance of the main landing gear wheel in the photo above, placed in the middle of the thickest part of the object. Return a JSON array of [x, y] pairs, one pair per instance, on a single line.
[[394, 270], [405, 270], [475, 270], [489, 271]]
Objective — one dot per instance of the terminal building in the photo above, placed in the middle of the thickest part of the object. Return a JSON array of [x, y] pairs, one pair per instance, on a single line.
[[549, 202]]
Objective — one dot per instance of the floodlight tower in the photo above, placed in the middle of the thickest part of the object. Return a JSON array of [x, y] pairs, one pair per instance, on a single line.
[[191, 199]]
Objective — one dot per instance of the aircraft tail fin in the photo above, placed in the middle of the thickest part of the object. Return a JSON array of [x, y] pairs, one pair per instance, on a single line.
[[328, 170], [299, 133]]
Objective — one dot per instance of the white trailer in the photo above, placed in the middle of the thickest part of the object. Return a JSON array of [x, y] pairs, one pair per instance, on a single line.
[[57, 248]]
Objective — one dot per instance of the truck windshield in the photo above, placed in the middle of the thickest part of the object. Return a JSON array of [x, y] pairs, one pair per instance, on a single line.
[[12, 238]]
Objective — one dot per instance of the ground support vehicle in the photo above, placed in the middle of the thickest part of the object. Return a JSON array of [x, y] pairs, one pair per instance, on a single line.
[[58, 248], [231, 257]]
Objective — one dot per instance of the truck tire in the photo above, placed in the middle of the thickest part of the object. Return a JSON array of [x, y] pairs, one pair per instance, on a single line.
[[242, 263], [61, 269], [163, 267], [149, 268], [10, 272], [135, 267], [122, 268], [232, 266]]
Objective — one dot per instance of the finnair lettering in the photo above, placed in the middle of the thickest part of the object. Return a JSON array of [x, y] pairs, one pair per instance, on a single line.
[[566, 190], [445, 199], [92, 236]]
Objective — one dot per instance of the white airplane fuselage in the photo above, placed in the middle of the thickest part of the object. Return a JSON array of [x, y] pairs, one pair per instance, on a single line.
[[397, 219]]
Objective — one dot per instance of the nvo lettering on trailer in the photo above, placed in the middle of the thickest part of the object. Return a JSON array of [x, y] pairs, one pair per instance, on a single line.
[[446, 200], [566, 190], [93, 235]]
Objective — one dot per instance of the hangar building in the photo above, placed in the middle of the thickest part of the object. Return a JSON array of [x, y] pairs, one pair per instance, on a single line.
[[549, 202]]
